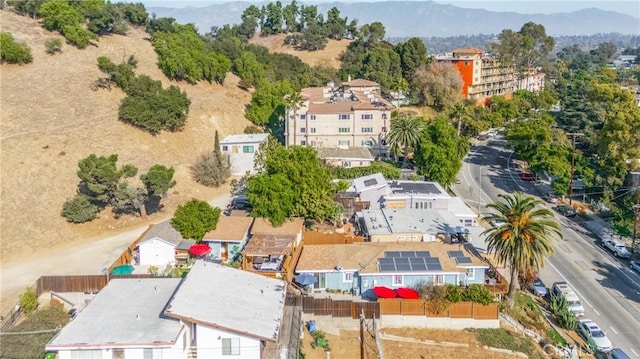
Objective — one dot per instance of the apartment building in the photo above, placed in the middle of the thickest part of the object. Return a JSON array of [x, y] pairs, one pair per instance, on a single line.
[[350, 115], [530, 80], [483, 76]]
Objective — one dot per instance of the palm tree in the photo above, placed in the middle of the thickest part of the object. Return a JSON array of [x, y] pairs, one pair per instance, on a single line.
[[459, 112], [293, 101], [405, 133], [524, 237]]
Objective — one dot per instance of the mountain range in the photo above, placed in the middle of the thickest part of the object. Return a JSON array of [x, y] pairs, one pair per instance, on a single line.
[[425, 18]]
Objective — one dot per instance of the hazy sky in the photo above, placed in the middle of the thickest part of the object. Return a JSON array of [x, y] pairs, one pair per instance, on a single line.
[[629, 7]]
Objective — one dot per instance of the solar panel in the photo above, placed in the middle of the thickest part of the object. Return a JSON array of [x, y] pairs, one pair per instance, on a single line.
[[434, 267], [423, 254], [386, 261], [401, 261], [392, 254], [455, 254], [463, 260], [408, 254], [403, 267], [418, 267], [431, 260], [416, 261], [387, 268]]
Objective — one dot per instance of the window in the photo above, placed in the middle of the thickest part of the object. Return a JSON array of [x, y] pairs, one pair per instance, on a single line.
[[230, 346], [413, 237], [344, 143], [344, 130], [346, 164], [303, 130], [312, 143], [303, 143], [225, 148], [366, 143], [86, 354], [384, 116], [367, 130], [402, 238], [471, 273], [437, 279], [147, 353], [247, 149], [366, 116], [344, 116], [303, 117], [384, 129], [347, 277], [312, 130], [466, 63], [398, 280], [423, 205], [312, 117], [234, 149]]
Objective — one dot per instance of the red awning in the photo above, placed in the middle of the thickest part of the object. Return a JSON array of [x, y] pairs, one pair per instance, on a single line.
[[407, 293], [384, 292], [199, 250]]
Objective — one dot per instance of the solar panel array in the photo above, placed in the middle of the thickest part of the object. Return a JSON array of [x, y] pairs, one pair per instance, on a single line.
[[455, 254], [463, 260], [407, 254], [405, 263]]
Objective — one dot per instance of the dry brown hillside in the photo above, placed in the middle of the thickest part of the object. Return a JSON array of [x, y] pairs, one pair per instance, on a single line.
[[51, 119], [329, 57]]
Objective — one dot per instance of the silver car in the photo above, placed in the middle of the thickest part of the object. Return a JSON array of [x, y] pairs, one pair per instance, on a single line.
[[594, 336], [634, 266], [538, 288]]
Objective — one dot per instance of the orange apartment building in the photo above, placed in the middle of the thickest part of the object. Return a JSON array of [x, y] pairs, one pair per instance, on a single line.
[[483, 77]]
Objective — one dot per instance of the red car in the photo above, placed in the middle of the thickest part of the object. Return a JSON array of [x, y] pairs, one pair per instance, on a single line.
[[525, 176]]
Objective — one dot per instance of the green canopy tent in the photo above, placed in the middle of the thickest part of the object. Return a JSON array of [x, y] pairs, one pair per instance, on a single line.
[[125, 269]]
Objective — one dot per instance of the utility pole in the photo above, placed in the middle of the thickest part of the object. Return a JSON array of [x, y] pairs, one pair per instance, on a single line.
[[573, 160], [362, 334], [636, 209]]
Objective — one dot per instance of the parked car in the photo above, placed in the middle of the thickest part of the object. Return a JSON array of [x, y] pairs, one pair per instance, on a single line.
[[615, 353], [618, 248], [594, 336], [565, 210], [526, 176], [241, 203], [538, 288], [562, 289], [492, 133], [550, 197], [634, 266]]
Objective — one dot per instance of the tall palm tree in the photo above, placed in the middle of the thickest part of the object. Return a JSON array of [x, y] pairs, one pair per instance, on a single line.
[[459, 112], [525, 237], [293, 101], [405, 133]]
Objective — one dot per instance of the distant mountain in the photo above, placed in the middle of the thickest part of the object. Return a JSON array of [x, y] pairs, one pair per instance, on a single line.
[[426, 18]]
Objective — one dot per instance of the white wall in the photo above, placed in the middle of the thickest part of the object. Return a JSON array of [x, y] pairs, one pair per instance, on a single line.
[[178, 351], [209, 343], [156, 252]]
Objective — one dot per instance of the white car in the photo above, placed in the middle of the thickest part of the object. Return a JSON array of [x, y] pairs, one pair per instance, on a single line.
[[538, 288], [618, 248], [592, 333]]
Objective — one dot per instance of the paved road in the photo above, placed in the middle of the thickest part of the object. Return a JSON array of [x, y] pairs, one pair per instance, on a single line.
[[609, 290]]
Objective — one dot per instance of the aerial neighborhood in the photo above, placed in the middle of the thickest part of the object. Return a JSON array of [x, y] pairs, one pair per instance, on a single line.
[[380, 200]]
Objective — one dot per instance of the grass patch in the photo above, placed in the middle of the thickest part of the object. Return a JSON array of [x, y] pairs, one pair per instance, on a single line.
[[555, 337], [504, 339], [527, 312], [27, 346]]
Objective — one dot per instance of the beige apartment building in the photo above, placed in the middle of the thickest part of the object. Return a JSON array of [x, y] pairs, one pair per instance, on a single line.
[[350, 115]]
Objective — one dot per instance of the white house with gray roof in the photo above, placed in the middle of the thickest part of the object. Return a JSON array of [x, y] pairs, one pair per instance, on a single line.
[[158, 244], [229, 311], [242, 150], [125, 320]]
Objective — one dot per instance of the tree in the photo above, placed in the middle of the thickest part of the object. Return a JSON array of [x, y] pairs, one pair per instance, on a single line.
[[13, 52], [335, 26], [248, 68], [441, 151], [271, 197], [158, 180], [460, 112], [413, 55], [28, 301], [290, 15], [212, 169], [77, 35], [292, 102], [267, 102], [195, 218], [440, 85], [58, 14], [99, 176], [272, 18], [127, 199], [79, 209], [405, 134], [524, 239]]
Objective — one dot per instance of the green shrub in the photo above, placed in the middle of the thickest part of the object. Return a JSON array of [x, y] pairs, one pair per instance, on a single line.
[[53, 46], [560, 309], [28, 301], [527, 312], [79, 209], [454, 293], [504, 339], [555, 337], [389, 171], [13, 52], [478, 293], [77, 35]]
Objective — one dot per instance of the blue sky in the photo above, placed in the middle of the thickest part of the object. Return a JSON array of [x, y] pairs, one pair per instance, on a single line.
[[629, 7]]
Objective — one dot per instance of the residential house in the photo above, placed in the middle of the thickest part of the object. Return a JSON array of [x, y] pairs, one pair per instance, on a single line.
[[359, 267], [530, 80], [351, 114], [273, 251], [371, 189], [230, 312], [242, 150], [229, 237], [482, 76], [346, 157], [158, 245], [125, 320]]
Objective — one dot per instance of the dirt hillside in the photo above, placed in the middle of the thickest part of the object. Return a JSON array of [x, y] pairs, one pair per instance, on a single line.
[[50, 119], [329, 57]]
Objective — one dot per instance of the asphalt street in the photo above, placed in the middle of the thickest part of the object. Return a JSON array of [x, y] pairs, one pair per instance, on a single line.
[[609, 291]]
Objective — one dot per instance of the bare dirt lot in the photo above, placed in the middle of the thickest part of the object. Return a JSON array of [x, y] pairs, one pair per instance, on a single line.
[[328, 57]]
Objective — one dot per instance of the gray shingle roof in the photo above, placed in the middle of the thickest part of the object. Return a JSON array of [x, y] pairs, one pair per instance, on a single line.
[[125, 312], [165, 231], [345, 153], [231, 300]]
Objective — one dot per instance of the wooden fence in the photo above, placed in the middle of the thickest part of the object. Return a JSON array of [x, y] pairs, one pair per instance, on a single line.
[[77, 283], [340, 308], [468, 310], [312, 238]]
